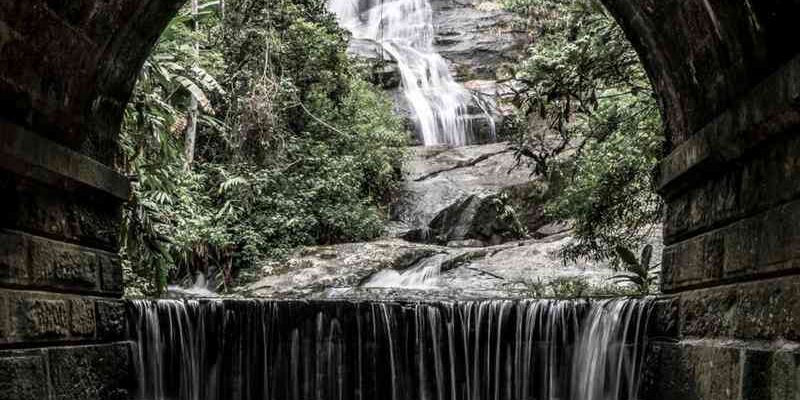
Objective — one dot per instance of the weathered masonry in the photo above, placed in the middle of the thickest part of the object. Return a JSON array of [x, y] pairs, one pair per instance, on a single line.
[[66, 71], [728, 77]]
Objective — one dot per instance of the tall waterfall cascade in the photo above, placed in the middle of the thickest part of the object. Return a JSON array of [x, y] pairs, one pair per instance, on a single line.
[[404, 30], [462, 350]]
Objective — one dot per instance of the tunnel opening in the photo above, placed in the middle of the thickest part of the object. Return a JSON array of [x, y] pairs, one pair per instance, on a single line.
[[727, 87]]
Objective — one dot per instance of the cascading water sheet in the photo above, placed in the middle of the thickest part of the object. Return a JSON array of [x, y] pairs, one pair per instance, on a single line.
[[404, 29], [325, 350]]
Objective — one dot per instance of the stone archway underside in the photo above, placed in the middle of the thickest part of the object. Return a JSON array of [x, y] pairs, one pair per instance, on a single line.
[[728, 77]]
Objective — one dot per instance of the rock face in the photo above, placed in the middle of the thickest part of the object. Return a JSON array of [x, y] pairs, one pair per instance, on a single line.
[[477, 36], [467, 225], [472, 192], [314, 271]]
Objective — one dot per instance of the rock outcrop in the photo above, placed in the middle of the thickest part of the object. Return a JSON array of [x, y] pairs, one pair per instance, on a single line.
[[478, 37], [525, 268], [473, 192]]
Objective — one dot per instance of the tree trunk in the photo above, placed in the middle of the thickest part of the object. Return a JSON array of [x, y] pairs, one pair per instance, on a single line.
[[191, 134], [193, 114]]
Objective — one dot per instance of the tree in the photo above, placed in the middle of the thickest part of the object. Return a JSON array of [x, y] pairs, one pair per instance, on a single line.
[[588, 121], [298, 148]]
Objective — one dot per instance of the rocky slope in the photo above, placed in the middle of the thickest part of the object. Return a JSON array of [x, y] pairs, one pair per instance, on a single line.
[[451, 236], [478, 37]]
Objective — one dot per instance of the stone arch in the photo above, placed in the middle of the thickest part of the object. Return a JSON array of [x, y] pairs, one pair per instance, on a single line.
[[704, 55], [67, 68], [727, 73]]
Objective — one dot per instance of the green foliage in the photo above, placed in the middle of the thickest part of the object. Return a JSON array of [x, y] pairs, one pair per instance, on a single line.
[[589, 121], [301, 151], [510, 215], [638, 272], [574, 287]]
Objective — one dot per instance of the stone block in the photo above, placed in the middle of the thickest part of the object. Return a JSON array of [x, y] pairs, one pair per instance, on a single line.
[[41, 318], [60, 265], [32, 207], [5, 316], [111, 319], [110, 273], [13, 258], [741, 247], [98, 372], [771, 375], [23, 375], [664, 319], [31, 317], [708, 313], [693, 262], [82, 317], [767, 310], [691, 371], [763, 244]]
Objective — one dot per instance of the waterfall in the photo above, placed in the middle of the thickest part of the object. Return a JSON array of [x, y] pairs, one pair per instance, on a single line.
[[340, 350], [404, 30], [424, 275]]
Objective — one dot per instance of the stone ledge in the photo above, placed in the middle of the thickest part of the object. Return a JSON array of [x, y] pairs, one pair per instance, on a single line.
[[35, 262], [761, 310], [766, 111], [765, 244], [713, 370], [94, 372], [32, 156], [765, 179], [82, 217], [35, 318]]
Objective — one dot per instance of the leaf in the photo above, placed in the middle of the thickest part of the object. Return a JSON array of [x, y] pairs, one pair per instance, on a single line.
[[198, 93], [627, 256], [647, 255], [231, 183], [207, 81]]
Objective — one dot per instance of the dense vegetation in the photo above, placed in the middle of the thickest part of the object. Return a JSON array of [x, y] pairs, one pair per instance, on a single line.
[[249, 133], [589, 121]]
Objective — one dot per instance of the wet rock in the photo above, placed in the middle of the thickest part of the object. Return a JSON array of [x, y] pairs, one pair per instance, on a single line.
[[467, 193], [496, 218], [466, 243], [313, 270], [516, 269], [478, 37]]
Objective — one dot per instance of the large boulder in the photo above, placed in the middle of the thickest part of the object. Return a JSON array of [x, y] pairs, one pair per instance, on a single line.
[[513, 213], [467, 193]]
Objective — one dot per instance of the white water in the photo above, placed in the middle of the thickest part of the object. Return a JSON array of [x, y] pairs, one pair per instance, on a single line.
[[424, 275], [200, 288], [404, 30]]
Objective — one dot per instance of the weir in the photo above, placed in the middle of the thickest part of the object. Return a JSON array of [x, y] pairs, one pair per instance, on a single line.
[[470, 350]]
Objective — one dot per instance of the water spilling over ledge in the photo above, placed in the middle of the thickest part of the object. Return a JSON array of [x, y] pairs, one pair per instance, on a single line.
[[301, 350]]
